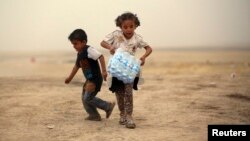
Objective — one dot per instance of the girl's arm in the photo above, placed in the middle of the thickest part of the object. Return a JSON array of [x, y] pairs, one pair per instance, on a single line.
[[72, 74], [103, 66], [108, 46], [147, 53]]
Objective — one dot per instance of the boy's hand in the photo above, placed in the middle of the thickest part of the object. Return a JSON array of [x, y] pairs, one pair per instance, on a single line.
[[104, 75], [67, 80], [112, 50], [142, 60]]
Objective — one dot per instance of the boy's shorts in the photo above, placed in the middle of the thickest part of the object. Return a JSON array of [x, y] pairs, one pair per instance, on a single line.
[[93, 85]]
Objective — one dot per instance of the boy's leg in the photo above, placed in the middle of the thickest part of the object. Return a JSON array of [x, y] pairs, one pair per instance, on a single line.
[[120, 100], [91, 99], [91, 110], [128, 100]]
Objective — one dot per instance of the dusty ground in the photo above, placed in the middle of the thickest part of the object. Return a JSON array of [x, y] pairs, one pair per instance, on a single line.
[[183, 93]]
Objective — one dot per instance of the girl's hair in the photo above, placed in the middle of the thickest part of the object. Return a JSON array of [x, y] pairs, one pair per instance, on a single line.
[[127, 16], [79, 35]]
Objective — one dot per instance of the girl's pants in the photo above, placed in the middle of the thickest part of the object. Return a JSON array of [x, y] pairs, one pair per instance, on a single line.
[[124, 98]]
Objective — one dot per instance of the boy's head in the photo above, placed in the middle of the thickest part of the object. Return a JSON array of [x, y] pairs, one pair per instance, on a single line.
[[128, 22], [78, 38]]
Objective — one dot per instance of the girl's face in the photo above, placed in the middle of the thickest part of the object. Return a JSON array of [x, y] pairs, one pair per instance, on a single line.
[[78, 45], [128, 27]]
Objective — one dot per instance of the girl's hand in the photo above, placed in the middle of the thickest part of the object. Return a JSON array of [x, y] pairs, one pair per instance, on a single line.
[[112, 50], [104, 75], [143, 59]]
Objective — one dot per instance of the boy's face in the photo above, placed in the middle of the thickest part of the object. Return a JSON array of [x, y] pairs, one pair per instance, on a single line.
[[78, 45], [128, 27]]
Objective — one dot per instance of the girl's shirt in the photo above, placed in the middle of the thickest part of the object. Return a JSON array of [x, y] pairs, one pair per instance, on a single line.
[[117, 40]]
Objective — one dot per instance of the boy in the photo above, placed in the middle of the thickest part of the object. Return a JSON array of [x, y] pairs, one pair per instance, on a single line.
[[87, 59]]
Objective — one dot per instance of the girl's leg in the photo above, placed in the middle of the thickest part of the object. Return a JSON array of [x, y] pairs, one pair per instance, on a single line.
[[128, 100], [120, 100]]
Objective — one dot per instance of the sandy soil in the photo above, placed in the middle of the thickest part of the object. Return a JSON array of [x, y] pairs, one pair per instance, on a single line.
[[184, 91]]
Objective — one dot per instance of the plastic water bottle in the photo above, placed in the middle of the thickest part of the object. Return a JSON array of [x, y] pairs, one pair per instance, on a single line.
[[123, 66]]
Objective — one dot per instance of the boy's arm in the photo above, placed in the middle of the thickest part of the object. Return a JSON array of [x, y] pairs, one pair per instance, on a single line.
[[103, 67], [147, 53], [108, 46], [72, 74]]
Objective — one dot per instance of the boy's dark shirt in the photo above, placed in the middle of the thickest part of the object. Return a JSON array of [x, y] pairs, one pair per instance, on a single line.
[[90, 67]]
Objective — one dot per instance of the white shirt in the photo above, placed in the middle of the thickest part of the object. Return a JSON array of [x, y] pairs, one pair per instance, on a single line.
[[117, 40], [93, 53]]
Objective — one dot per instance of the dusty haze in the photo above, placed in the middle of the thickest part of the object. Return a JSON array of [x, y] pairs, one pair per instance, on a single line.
[[45, 25]]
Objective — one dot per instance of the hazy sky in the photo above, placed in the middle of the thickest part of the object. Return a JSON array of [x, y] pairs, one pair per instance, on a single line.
[[46, 24]]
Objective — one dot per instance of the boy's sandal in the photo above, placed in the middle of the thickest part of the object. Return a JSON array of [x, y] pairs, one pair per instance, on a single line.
[[109, 111], [94, 118]]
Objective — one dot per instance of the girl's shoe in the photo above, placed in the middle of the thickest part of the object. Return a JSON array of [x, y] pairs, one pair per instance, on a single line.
[[130, 124], [122, 121]]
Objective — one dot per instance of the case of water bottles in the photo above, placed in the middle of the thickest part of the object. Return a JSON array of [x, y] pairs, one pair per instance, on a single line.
[[124, 66]]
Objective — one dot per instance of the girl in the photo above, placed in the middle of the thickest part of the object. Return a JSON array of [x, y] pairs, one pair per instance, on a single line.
[[127, 39]]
